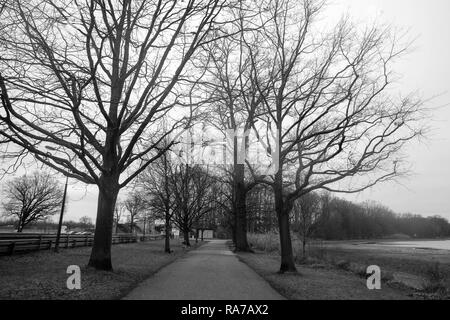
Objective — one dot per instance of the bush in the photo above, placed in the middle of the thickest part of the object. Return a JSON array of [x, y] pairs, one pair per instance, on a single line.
[[435, 280], [319, 251], [268, 242], [343, 264]]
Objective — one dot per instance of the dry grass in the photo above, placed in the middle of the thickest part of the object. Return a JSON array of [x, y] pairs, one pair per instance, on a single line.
[[42, 275], [426, 270], [267, 242], [419, 263], [318, 284]]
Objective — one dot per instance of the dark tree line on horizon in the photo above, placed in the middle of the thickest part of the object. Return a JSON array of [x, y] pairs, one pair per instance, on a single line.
[[340, 219]]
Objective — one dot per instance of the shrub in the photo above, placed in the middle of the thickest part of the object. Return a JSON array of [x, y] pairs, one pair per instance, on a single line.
[[435, 280], [343, 264], [268, 242]]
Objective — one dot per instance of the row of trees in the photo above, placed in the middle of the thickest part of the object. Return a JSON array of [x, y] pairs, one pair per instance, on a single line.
[[82, 225], [32, 199], [316, 101], [107, 85], [323, 216], [93, 81], [188, 192], [179, 194], [347, 220]]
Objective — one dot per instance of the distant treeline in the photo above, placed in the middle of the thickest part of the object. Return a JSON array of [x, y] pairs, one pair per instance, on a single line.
[[83, 224], [333, 218], [349, 220]]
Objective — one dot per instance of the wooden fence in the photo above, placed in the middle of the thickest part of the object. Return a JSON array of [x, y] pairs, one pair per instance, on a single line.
[[11, 243]]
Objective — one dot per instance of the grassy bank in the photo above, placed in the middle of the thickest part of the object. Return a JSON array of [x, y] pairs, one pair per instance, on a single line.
[[316, 282], [42, 275], [425, 271]]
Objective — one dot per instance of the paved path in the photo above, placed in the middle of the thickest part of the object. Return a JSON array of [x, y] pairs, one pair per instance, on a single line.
[[211, 272]]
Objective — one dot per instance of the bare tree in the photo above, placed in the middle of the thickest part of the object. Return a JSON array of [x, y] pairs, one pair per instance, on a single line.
[[328, 115], [224, 203], [260, 209], [87, 221], [146, 217], [155, 184], [307, 214], [136, 205], [235, 102], [118, 213], [193, 190], [32, 198], [92, 80]]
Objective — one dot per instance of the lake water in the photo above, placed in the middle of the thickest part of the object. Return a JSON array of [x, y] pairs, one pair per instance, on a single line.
[[429, 244]]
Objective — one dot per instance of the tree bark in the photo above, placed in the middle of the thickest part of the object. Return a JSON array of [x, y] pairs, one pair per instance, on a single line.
[[186, 238], [233, 227], [241, 243], [131, 224], [20, 224], [304, 247], [167, 235], [287, 256], [101, 251]]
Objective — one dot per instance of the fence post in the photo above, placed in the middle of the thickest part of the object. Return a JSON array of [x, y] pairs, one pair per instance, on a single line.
[[40, 242], [11, 248], [87, 240], [49, 244], [67, 241]]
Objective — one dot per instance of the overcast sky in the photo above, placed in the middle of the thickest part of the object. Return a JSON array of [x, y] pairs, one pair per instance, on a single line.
[[426, 69]]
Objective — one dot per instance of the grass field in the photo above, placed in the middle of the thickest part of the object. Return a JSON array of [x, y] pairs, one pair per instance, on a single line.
[[425, 271], [318, 283], [42, 275]]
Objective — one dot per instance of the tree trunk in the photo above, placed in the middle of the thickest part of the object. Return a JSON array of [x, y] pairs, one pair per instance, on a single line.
[[167, 235], [240, 209], [304, 247], [186, 239], [233, 227], [131, 224], [287, 256], [20, 223], [101, 250]]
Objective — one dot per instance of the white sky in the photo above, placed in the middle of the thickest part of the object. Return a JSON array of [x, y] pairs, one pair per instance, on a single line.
[[427, 69]]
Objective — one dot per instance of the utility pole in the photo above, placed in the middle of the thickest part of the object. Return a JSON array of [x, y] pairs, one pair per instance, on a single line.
[[58, 235]]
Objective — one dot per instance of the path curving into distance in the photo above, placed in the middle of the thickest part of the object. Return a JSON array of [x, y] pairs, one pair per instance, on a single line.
[[212, 272]]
